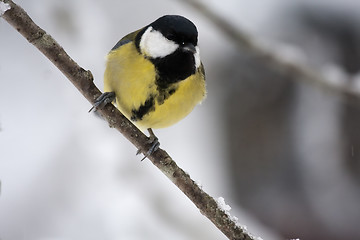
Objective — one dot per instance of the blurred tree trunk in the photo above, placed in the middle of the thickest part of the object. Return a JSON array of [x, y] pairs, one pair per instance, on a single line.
[[263, 165], [259, 111], [342, 32]]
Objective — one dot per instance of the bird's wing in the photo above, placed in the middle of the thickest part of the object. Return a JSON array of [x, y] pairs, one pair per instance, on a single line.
[[128, 38]]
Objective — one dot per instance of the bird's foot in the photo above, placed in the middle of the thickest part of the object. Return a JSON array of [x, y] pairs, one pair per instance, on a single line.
[[155, 144], [102, 100]]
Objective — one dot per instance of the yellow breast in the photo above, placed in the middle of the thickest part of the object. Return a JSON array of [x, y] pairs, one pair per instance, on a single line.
[[132, 78]]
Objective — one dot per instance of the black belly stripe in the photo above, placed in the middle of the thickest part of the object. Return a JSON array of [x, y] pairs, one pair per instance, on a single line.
[[165, 94], [148, 106]]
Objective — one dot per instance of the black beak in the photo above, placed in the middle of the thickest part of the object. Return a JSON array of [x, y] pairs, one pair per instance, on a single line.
[[188, 47]]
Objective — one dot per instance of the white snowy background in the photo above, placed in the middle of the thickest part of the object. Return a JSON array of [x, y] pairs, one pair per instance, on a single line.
[[66, 175]]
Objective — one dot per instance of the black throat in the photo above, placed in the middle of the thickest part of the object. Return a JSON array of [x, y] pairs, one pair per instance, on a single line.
[[174, 68]]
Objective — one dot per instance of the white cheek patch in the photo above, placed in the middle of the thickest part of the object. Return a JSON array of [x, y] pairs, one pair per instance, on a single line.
[[155, 45], [197, 57]]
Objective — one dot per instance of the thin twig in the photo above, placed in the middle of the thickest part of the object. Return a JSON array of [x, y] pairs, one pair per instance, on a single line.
[[293, 69], [83, 81]]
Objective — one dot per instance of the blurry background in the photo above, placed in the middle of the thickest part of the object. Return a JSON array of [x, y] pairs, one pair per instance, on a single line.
[[284, 154]]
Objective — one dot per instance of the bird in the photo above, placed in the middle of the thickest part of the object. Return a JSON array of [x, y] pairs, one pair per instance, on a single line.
[[155, 76]]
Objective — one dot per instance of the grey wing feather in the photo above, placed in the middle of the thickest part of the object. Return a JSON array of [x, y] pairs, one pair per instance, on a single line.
[[128, 38]]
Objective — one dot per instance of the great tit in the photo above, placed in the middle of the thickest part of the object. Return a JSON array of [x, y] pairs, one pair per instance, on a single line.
[[154, 75]]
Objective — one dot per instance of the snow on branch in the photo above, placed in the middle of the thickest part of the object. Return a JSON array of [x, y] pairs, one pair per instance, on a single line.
[[3, 8], [83, 81]]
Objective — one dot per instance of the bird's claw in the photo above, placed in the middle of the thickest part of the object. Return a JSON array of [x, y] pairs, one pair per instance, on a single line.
[[155, 144], [102, 100]]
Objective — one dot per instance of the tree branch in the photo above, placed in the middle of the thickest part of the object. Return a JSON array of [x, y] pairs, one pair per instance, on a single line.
[[295, 70], [83, 81]]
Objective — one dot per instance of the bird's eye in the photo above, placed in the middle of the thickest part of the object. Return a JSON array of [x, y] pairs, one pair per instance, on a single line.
[[170, 36]]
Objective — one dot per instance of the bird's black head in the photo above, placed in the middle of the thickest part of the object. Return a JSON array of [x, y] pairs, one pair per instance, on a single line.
[[170, 43], [176, 28]]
